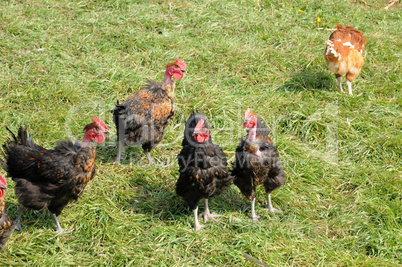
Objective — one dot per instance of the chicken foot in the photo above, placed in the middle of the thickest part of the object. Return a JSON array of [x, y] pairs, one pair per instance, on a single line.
[[17, 222], [59, 230], [269, 206], [207, 215]]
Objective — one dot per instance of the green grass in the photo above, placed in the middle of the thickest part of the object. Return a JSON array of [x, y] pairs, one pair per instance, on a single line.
[[64, 62]]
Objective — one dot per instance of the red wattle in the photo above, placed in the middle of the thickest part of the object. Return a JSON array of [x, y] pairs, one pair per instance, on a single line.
[[1, 192], [100, 138], [178, 75], [249, 124], [88, 136], [201, 138]]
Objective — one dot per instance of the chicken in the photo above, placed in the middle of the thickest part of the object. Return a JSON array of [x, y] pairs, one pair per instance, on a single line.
[[257, 163], [344, 54], [5, 221], [202, 167], [50, 179], [143, 117]]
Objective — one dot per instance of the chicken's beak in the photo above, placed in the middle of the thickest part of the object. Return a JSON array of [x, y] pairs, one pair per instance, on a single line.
[[195, 132], [183, 71], [106, 132], [3, 187]]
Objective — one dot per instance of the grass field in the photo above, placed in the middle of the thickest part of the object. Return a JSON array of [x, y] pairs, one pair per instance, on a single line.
[[64, 62]]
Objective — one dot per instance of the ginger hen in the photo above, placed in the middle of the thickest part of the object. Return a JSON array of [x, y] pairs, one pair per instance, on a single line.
[[5, 221], [202, 167], [143, 117], [344, 54], [50, 179], [257, 163]]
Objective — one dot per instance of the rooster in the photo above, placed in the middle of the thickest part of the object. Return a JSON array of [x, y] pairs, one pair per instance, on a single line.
[[143, 117], [50, 179], [344, 54], [257, 163], [5, 221], [202, 167]]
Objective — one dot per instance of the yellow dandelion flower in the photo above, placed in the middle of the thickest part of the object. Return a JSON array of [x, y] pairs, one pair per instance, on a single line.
[[318, 19], [301, 10]]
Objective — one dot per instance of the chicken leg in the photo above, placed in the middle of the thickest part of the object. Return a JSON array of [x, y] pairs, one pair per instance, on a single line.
[[197, 225], [150, 160], [349, 84], [269, 206], [59, 230], [339, 78], [254, 217], [119, 148], [17, 222], [207, 215]]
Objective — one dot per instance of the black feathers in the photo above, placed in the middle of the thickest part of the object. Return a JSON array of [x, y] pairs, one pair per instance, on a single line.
[[47, 178], [202, 166], [251, 170]]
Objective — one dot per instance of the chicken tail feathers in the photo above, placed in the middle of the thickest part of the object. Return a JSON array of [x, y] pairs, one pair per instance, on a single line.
[[18, 144], [22, 137]]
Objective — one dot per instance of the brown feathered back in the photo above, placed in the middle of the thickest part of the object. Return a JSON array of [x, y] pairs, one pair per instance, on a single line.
[[143, 117], [348, 34]]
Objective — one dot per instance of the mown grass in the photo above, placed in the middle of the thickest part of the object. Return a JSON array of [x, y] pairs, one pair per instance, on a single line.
[[64, 62]]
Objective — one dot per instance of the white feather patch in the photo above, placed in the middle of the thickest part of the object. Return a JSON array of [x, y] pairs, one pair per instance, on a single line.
[[333, 51], [330, 49], [348, 44]]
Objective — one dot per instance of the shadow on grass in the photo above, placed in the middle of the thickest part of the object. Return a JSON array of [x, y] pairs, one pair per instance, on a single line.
[[310, 79], [31, 218], [159, 200]]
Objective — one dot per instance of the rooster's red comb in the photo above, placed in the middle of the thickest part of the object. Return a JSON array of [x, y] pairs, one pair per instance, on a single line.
[[178, 62], [248, 113], [100, 123], [200, 124], [181, 63]]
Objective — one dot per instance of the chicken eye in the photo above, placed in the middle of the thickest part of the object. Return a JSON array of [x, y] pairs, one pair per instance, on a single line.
[[176, 66]]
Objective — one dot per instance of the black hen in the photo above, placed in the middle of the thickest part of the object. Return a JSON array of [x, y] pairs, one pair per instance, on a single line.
[[257, 163], [202, 167], [50, 179], [143, 117]]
